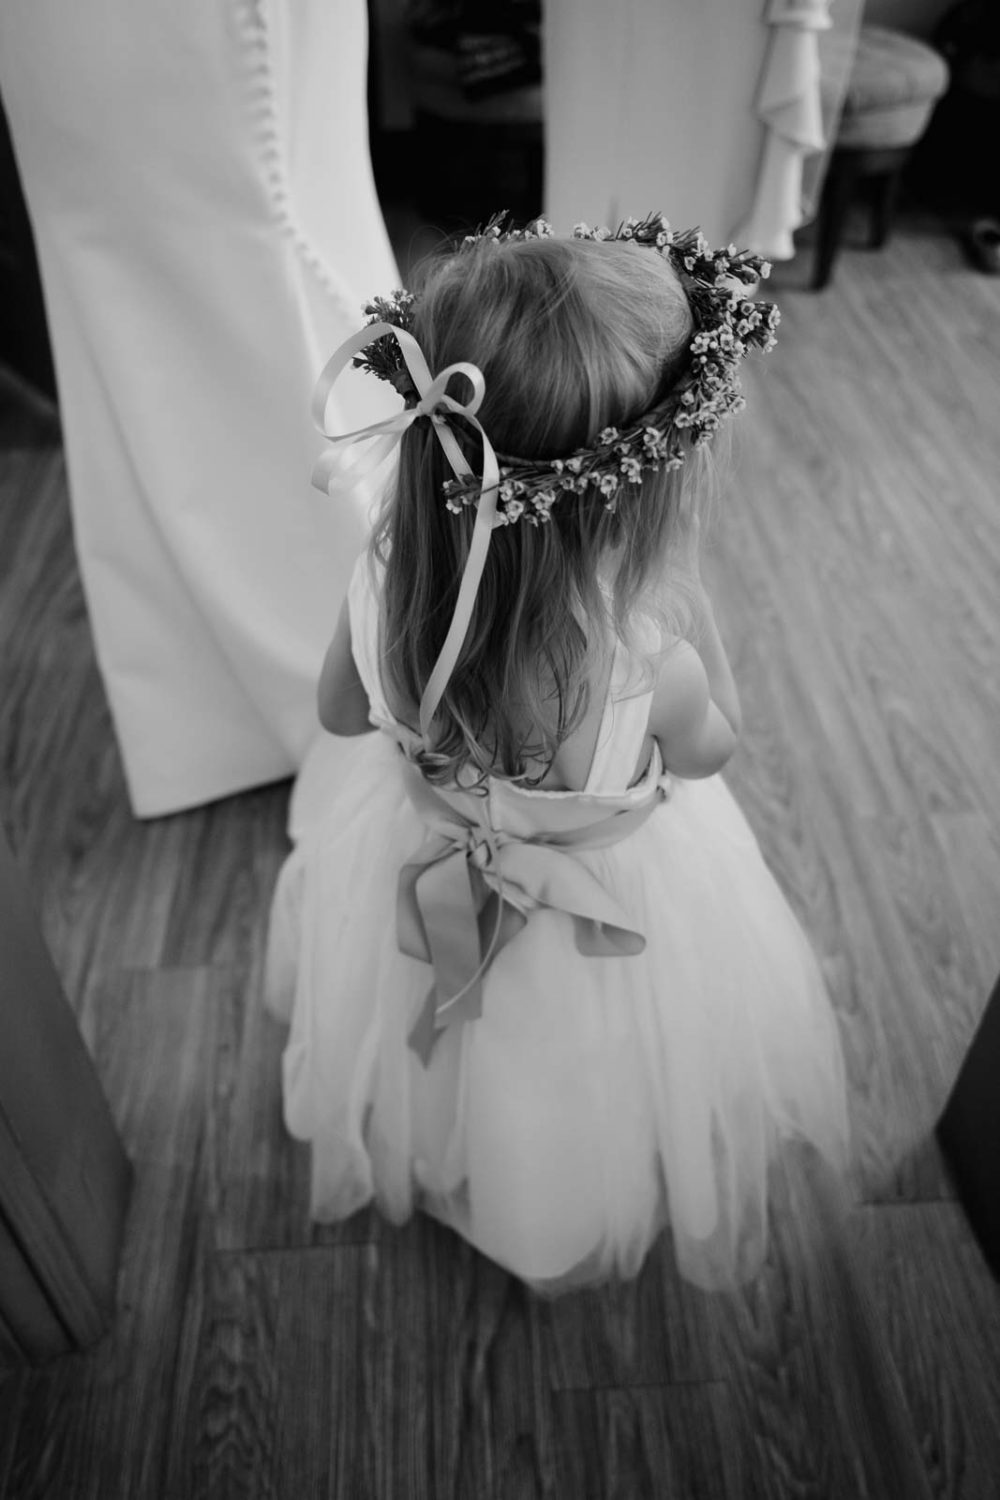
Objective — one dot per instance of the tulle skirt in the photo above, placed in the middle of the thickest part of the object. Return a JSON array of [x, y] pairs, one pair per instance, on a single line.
[[596, 1099]]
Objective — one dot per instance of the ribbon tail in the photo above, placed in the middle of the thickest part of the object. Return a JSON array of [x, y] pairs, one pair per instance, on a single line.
[[425, 1031], [434, 1017], [411, 934], [600, 939], [553, 878], [500, 921], [438, 920], [449, 904], [333, 472], [497, 923]]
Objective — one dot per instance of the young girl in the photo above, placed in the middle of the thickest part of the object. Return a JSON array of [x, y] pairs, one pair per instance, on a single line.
[[540, 981]]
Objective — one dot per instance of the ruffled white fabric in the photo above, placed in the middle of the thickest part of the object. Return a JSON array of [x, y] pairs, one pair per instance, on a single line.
[[596, 1099]]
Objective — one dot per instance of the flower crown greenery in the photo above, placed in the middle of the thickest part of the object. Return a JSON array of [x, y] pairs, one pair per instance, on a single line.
[[727, 325]]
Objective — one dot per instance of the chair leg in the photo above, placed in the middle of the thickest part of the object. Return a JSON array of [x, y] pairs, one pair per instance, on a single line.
[[884, 193], [838, 190]]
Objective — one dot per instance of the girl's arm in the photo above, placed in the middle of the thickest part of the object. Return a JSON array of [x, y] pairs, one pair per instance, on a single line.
[[341, 698], [721, 685], [695, 715], [694, 735]]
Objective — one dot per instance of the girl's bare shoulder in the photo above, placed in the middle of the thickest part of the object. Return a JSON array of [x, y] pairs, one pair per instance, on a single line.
[[694, 738]]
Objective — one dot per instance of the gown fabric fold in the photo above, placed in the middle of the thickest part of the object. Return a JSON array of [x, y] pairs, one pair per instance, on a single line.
[[202, 200], [596, 1099]]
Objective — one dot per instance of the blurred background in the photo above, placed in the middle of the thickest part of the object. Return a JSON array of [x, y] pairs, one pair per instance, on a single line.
[[458, 128]]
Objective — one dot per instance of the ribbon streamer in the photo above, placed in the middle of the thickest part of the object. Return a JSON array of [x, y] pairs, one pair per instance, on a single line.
[[336, 472]]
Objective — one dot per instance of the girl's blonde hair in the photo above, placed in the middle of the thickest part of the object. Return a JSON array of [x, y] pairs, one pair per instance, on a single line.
[[572, 336]]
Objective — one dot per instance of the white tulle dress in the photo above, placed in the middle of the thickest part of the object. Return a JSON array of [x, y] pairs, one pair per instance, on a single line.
[[596, 1099]]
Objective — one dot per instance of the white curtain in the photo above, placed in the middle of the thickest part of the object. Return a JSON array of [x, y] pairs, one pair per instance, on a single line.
[[199, 184], [805, 74], [717, 112], [649, 104], [837, 46]]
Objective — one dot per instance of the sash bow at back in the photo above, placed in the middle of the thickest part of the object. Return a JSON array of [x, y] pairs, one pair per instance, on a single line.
[[470, 888]]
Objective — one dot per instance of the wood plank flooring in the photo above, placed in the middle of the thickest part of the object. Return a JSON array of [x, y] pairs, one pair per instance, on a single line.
[[855, 566]]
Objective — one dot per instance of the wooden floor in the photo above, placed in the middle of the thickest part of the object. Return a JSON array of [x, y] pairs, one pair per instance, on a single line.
[[856, 568]]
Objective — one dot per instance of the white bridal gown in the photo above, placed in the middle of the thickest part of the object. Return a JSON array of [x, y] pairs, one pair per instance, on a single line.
[[199, 183]]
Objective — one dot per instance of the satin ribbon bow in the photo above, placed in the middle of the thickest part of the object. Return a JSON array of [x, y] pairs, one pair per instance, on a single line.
[[468, 892], [346, 462]]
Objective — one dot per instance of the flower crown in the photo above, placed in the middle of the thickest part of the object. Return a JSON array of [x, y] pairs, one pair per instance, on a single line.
[[727, 325]]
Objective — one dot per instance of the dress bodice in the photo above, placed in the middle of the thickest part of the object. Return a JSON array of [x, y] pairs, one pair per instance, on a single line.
[[620, 736]]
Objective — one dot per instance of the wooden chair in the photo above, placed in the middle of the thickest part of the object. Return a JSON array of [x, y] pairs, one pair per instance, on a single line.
[[895, 82]]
